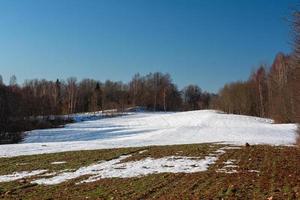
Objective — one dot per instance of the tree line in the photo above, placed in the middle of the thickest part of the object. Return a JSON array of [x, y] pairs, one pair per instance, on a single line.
[[271, 91], [154, 91]]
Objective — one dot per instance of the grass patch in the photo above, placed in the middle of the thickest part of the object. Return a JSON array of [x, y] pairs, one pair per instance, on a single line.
[[73, 160]]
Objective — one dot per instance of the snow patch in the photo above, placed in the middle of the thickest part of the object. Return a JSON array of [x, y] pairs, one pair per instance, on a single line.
[[21, 164], [58, 162], [253, 171], [19, 175], [229, 162], [229, 166], [232, 147], [226, 171], [143, 151], [117, 169]]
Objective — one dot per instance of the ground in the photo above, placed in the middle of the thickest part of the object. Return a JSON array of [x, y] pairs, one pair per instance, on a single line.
[[154, 128], [185, 155], [253, 172]]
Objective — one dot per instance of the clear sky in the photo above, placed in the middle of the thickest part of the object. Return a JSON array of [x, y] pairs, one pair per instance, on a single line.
[[204, 42]]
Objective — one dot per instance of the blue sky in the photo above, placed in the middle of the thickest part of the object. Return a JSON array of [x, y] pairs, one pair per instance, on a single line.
[[204, 42]]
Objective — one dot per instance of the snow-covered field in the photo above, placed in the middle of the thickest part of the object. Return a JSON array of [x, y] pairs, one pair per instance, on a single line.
[[143, 129]]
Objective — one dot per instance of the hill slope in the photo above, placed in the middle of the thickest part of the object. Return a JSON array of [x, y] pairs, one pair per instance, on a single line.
[[144, 129]]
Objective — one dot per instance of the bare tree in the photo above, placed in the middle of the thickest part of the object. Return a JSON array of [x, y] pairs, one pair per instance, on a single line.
[[295, 75], [1, 80], [259, 80], [13, 80], [71, 94], [192, 97]]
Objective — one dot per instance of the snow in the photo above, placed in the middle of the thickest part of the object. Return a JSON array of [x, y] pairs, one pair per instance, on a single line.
[[143, 151], [229, 166], [253, 171], [20, 164], [223, 170], [19, 175], [117, 169], [144, 129], [233, 147], [229, 162], [58, 162]]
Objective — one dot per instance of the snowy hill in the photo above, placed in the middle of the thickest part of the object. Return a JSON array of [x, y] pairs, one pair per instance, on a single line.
[[143, 129]]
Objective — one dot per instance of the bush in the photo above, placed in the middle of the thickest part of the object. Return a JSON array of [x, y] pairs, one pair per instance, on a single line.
[[13, 131]]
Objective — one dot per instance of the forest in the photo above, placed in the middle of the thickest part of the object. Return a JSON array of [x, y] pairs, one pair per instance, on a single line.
[[154, 91]]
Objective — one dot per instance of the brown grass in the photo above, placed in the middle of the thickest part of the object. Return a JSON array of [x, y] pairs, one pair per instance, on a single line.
[[278, 176]]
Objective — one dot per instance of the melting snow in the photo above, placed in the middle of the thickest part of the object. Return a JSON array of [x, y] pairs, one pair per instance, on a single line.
[[20, 164], [143, 151], [227, 171], [19, 175], [117, 169], [232, 147], [230, 161], [253, 171], [58, 162], [229, 167]]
